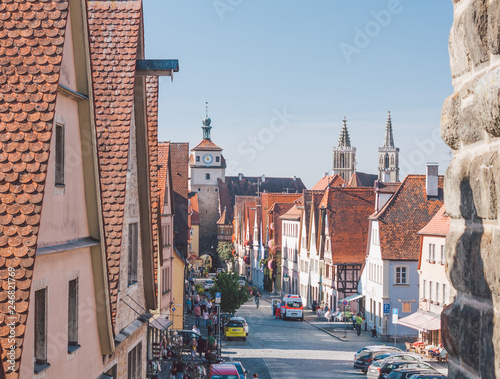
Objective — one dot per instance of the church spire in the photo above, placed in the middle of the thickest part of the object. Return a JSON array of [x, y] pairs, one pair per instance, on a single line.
[[206, 124], [389, 139], [344, 140]]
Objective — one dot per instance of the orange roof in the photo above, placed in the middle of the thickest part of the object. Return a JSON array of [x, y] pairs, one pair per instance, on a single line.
[[276, 211], [206, 144], [348, 210], [31, 39], [293, 214], [401, 218], [439, 224], [329, 181], [224, 219], [152, 116], [193, 210], [114, 37]]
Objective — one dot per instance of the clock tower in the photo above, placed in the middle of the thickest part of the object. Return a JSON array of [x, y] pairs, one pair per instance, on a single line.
[[206, 165]]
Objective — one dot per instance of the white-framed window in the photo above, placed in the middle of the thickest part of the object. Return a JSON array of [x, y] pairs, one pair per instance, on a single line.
[[432, 253], [424, 287], [401, 275], [430, 289], [437, 291], [443, 256], [445, 294]]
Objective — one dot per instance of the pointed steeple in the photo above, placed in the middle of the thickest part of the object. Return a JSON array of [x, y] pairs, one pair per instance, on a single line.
[[344, 140], [389, 139]]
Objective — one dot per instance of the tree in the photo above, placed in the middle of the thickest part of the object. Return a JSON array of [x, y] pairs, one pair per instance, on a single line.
[[232, 296], [225, 251]]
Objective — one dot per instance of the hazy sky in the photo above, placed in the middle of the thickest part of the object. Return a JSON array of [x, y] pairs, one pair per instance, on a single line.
[[279, 77]]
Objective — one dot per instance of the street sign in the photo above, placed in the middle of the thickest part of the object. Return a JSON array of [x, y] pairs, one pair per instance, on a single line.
[[395, 315], [344, 303], [217, 298], [387, 308], [173, 309]]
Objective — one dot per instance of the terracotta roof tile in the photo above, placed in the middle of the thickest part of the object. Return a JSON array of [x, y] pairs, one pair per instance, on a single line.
[[439, 224], [348, 210], [113, 40], [30, 61], [194, 210], [152, 115], [329, 181], [179, 156], [407, 212], [206, 144]]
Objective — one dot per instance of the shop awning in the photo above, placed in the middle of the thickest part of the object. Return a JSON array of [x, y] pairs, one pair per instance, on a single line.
[[421, 321], [352, 297], [160, 323]]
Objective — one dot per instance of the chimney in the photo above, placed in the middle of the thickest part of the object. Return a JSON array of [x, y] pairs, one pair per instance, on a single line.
[[294, 178], [240, 176], [262, 178], [431, 180], [325, 174]]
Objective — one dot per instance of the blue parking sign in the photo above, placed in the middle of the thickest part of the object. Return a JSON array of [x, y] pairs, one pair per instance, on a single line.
[[387, 308]]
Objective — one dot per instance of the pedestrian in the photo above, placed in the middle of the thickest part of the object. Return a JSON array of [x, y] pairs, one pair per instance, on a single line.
[[195, 329], [359, 321], [192, 347], [212, 343], [188, 305], [210, 323], [202, 345], [197, 314], [205, 316], [255, 376], [278, 309]]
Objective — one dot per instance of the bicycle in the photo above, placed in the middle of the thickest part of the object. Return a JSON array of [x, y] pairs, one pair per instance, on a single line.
[[257, 301]]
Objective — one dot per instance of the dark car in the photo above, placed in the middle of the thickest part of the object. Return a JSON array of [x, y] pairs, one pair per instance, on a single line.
[[407, 373], [366, 358], [388, 368], [376, 348], [376, 369], [429, 375]]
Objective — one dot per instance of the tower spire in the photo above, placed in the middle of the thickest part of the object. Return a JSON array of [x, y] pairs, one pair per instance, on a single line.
[[389, 139], [206, 123], [344, 140]]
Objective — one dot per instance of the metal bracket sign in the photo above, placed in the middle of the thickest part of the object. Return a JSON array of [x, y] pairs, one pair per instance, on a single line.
[[217, 298], [395, 315], [387, 308]]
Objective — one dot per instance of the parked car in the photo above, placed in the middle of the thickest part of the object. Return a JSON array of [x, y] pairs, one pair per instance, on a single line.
[[406, 373], [245, 325], [377, 348], [234, 329], [396, 365], [209, 283], [223, 371], [241, 370], [187, 335], [429, 375], [377, 369], [366, 358]]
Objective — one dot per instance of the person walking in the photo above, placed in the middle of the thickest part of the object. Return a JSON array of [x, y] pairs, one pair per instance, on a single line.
[[278, 310], [205, 316], [197, 314], [359, 321], [210, 323], [202, 346], [192, 346]]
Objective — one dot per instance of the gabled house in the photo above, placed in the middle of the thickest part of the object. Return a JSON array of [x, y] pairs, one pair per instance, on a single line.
[[390, 277], [436, 291], [344, 233], [289, 263]]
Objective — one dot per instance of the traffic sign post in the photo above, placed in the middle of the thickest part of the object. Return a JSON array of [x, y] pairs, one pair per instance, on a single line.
[[387, 309], [395, 312], [217, 298], [217, 303]]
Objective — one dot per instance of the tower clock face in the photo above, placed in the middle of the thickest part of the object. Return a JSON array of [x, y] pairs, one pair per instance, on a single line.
[[207, 158]]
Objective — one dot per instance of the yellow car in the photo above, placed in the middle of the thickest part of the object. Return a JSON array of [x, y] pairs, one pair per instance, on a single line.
[[235, 329]]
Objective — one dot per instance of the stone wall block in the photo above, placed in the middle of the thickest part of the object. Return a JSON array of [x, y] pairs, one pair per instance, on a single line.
[[457, 204], [494, 26], [450, 113], [470, 127], [468, 43], [470, 347], [491, 259], [487, 102], [451, 329], [482, 182]]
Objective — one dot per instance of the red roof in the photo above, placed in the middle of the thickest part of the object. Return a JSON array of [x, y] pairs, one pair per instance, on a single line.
[[348, 210], [31, 47], [194, 210], [329, 181], [179, 155], [439, 224], [407, 212], [206, 144], [224, 219], [114, 37], [152, 116], [294, 214]]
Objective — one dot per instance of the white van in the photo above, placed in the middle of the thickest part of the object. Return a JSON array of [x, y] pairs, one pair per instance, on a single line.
[[292, 307]]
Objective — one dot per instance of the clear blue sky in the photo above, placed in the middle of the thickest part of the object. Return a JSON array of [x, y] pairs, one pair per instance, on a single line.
[[308, 63]]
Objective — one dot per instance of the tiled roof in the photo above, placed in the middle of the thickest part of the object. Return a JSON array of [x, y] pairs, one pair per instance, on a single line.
[[224, 219], [407, 212], [361, 179], [439, 224], [329, 181], [311, 201], [152, 115], [293, 214], [194, 210], [179, 155], [348, 210], [251, 186], [113, 39], [32, 35], [163, 161], [206, 144]]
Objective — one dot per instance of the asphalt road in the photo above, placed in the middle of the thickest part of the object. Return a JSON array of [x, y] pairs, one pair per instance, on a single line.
[[292, 349]]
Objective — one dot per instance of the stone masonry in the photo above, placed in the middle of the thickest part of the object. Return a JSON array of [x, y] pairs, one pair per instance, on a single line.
[[470, 125]]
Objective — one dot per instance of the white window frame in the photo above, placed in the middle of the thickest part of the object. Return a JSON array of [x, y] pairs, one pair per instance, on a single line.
[[407, 272]]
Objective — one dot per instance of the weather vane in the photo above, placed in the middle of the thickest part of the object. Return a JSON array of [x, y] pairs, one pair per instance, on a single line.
[[206, 108]]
